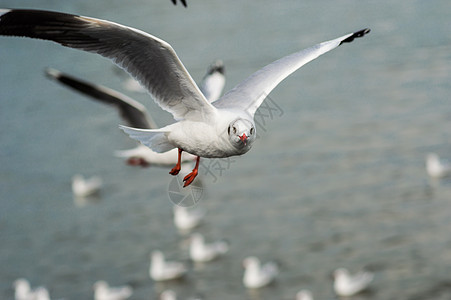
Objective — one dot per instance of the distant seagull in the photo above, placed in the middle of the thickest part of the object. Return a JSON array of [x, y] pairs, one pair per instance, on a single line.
[[183, 2], [346, 284], [200, 251], [82, 187], [161, 270], [256, 275], [136, 115], [102, 291], [213, 130], [23, 291], [437, 168], [188, 218], [304, 295], [168, 295]]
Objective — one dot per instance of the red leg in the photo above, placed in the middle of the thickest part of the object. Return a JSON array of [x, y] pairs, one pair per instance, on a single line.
[[178, 166], [190, 177]]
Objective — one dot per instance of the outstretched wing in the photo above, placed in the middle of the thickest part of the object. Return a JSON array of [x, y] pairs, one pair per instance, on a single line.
[[249, 94], [133, 112], [148, 59]]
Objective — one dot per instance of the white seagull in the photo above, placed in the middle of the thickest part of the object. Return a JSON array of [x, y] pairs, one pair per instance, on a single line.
[[200, 251], [102, 291], [161, 270], [256, 275], [82, 187], [346, 284], [436, 167], [136, 115], [213, 130], [304, 295], [188, 218], [168, 295], [23, 291]]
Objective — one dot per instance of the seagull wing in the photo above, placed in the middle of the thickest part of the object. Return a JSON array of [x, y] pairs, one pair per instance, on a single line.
[[249, 94], [150, 60], [133, 112]]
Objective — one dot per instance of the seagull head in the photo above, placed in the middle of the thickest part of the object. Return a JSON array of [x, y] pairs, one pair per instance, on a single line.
[[241, 133]]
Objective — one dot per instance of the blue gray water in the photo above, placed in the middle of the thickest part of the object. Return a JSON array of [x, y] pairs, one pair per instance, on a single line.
[[336, 179]]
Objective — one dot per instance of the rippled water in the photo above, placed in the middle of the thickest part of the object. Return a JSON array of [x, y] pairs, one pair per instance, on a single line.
[[336, 179]]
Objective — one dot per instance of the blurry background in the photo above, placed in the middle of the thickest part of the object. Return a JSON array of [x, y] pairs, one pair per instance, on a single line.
[[337, 179]]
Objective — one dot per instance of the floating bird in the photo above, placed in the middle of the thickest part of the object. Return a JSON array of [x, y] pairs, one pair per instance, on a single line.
[[304, 295], [161, 270], [436, 167], [346, 284], [82, 187], [188, 218], [23, 291], [199, 251], [102, 291], [168, 295], [136, 115], [212, 130], [256, 275]]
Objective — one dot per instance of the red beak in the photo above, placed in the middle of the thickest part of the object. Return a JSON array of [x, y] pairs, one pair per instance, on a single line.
[[243, 138]]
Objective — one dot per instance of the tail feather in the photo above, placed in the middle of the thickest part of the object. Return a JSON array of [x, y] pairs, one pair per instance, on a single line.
[[155, 139]]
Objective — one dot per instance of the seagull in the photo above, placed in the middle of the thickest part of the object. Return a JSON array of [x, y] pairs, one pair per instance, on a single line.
[[168, 295], [199, 251], [161, 270], [102, 291], [23, 291], [346, 284], [188, 218], [256, 275], [136, 115], [436, 167], [304, 295], [212, 130], [82, 187], [183, 2]]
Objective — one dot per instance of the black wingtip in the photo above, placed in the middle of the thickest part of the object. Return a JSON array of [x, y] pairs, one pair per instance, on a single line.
[[356, 34], [183, 2], [217, 66]]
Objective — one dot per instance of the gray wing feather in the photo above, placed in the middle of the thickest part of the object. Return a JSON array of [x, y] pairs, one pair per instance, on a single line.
[[249, 94], [148, 59]]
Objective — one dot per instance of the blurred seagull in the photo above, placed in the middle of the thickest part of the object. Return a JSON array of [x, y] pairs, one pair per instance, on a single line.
[[346, 284], [256, 275], [136, 115], [213, 130], [23, 291], [102, 291], [168, 295], [199, 251], [188, 218], [304, 295], [437, 168], [82, 187], [161, 270]]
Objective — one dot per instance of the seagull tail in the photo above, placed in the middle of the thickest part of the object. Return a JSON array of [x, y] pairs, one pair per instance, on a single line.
[[155, 139]]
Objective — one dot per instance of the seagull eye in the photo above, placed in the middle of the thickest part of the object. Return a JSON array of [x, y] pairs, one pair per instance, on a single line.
[[252, 131], [228, 130]]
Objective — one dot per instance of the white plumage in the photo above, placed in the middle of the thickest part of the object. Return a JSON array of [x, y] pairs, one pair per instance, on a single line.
[[202, 252], [257, 275], [436, 167], [346, 284], [161, 270], [102, 291]]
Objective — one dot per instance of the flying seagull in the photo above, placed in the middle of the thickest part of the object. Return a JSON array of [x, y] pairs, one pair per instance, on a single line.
[[213, 130], [136, 115], [183, 2]]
